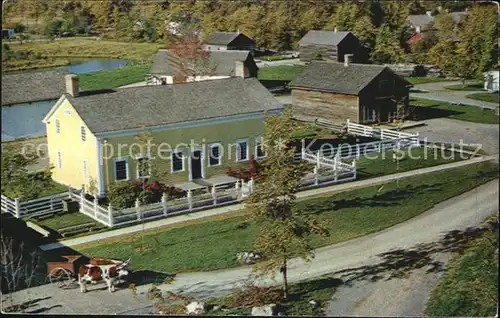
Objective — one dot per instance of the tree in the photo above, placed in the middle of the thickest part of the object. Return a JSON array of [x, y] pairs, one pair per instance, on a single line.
[[387, 47], [284, 229], [17, 181], [18, 268], [189, 58], [442, 53]]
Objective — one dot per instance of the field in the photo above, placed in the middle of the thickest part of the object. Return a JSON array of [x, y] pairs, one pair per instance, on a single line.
[[58, 53], [107, 79], [425, 79], [427, 109], [485, 97], [469, 288], [280, 73], [467, 87], [197, 245]]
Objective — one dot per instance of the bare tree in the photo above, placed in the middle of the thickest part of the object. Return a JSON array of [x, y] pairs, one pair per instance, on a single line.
[[18, 269]]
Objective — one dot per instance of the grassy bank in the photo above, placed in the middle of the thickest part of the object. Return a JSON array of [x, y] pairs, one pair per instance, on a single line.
[[197, 245], [427, 109], [466, 87], [485, 97], [280, 73], [470, 284], [59, 53], [106, 79], [425, 79]]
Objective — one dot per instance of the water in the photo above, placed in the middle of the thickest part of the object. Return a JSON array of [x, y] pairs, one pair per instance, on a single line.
[[94, 65], [24, 120]]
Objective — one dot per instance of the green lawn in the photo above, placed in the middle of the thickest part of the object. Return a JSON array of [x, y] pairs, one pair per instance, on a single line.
[[424, 79], [467, 87], [65, 220], [383, 164], [197, 245], [107, 79], [427, 109], [485, 97], [58, 53], [280, 73], [469, 283]]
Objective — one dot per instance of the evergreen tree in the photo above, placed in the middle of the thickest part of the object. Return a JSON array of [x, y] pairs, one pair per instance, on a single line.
[[387, 47]]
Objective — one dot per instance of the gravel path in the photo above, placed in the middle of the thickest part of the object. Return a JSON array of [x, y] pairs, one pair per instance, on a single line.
[[363, 258]]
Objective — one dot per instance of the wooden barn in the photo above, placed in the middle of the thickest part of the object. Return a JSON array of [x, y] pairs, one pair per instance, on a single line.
[[330, 45], [362, 93]]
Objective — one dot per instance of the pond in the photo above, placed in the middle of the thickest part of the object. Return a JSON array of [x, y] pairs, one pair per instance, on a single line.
[[94, 65]]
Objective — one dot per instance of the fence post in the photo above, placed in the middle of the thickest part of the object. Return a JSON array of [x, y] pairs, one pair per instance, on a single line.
[[69, 193], [95, 207], [51, 203], [354, 167], [17, 204], [316, 179], [303, 153], [357, 151], [250, 184], [110, 216], [138, 209], [381, 133], [380, 146], [347, 120], [237, 189], [317, 159], [214, 196], [164, 203], [190, 199]]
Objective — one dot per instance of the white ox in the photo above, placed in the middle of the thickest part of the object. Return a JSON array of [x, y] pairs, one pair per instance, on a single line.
[[110, 273]]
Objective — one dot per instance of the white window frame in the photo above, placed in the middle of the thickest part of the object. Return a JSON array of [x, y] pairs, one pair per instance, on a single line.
[[137, 166], [127, 169], [85, 169], [58, 126], [210, 146], [172, 161], [59, 159], [238, 148], [258, 140], [83, 134]]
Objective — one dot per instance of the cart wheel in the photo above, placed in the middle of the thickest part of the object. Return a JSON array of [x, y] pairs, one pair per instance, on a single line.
[[61, 277]]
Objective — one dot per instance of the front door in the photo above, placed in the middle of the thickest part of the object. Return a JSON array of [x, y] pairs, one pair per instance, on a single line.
[[196, 165]]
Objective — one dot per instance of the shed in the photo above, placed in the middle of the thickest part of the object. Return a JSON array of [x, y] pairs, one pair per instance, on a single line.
[[223, 41], [330, 45]]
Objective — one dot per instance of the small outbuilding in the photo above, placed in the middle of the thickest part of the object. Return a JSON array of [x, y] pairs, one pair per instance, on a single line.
[[331, 46], [362, 93], [224, 41], [491, 81]]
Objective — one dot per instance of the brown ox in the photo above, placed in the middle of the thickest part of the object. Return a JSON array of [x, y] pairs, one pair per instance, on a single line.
[[110, 273]]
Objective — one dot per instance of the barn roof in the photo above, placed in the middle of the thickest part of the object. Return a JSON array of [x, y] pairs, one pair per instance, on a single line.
[[223, 38], [337, 78], [28, 87], [421, 20], [222, 62], [323, 38], [148, 106]]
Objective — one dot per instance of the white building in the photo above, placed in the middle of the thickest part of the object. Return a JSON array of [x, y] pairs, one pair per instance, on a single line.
[[491, 81]]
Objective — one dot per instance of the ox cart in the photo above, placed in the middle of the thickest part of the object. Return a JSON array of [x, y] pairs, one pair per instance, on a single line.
[[64, 273], [67, 273]]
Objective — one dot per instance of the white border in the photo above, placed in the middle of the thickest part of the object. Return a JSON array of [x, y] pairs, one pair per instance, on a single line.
[[172, 162], [257, 141], [238, 147], [210, 146]]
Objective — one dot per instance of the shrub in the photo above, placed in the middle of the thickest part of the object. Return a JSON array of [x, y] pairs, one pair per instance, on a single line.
[[123, 194], [254, 171]]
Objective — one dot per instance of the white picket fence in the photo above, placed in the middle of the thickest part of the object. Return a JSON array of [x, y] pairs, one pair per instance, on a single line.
[[380, 133], [33, 208]]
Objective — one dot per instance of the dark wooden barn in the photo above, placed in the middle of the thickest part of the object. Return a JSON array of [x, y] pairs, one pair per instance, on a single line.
[[330, 45]]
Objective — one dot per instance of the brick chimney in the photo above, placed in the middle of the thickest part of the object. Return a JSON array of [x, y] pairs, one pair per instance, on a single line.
[[347, 59], [240, 70], [72, 86]]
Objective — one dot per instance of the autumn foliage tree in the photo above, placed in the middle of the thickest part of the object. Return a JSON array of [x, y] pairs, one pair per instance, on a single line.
[[284, 229], [189, 58]]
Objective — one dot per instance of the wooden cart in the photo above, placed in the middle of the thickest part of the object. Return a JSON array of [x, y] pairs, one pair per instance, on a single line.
[[64, 273]]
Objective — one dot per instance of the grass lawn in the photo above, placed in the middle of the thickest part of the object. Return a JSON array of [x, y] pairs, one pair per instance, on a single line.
[[107, 79], [382, 164], [467, 87], [197, 245], [427, 109], [485, 97], [58, 53], [425, 79], [65, 220], [275, 58], [469, 283], [280, 73]]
